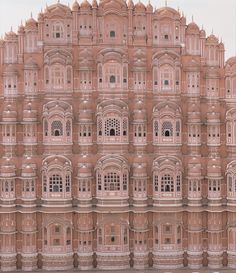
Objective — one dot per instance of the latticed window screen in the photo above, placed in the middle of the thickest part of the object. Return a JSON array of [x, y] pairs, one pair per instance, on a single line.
[[45, 128], [99, 182], [8, 186], [167, 183], [111, 182], [68, 128], [125, 182], [177, 128], [112, 127], [55, 183], [156, 128], [156, 182], [178, 183], [44, 183], [125, 127], [57, 128], [167, 129], [67, 183], [100, 127]]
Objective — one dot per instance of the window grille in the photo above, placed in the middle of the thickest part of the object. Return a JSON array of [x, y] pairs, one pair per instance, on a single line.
[[68, 128], [167, 183], [111, 182], [167, 129], [57, 128], [112, 127], [55, 183]]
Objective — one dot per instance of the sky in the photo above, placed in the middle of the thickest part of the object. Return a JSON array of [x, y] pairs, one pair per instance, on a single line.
[[218, 16]]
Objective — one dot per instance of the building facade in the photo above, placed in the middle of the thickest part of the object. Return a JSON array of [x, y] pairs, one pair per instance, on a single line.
[[118, 141]]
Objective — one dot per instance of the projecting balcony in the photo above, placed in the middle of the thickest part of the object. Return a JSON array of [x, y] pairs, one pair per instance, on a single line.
[[10, 92], [9, 140], [30, 140]]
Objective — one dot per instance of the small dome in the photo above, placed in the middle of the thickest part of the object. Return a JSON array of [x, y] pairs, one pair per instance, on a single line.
[[149, 7], [8, 169], [31, 23], [75, 6], [85, 5], [9, 114], [214, 168], [10, 69], [139, 170], [202, 33], [28, 171], [192, 28], [130, 4], [139, 7], [21, 29], [85, 170], [29, 114], [31, 64], [95, 4], [212, 39], [10, 36], [140, 115]]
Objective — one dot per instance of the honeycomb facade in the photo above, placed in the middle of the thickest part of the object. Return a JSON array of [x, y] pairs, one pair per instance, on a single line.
[[118, 141]]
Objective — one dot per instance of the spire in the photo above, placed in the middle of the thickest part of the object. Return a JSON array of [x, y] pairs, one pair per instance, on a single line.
[[31, 15], [192, 19], [166, 3]]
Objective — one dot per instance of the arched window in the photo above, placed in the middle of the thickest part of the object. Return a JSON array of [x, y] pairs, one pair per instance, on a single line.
[[55, 183], [112, 178], [231, 127], [58, 73], [112, 79], [57, 31], [231, 182], [113, 234], [167, 179], [167, 129], [167, 183], [56, 178], [112, 124], [56, 128], [166, 124], [57, 123], [112, 34]]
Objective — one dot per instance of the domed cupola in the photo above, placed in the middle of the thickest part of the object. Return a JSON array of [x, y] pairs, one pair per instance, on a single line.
[[84, 170], [9, 113], [75, 6], [139, 7], [140, 113], [29, 113], [130, 4], [192, 28], [149, 7], [31, 24], [11, 36], [194, 167], [7, 169], [214, 168], [85, 112], [139, 166], [85, 5], [94, 4]]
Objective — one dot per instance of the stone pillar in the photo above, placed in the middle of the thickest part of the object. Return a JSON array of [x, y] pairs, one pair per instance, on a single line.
[[8, 242], [140, 226], [85, 231], [194, 250], [215, 249], [29, 251]]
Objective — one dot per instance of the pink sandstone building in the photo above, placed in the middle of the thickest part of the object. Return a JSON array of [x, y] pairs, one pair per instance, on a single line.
[[118, 141]]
